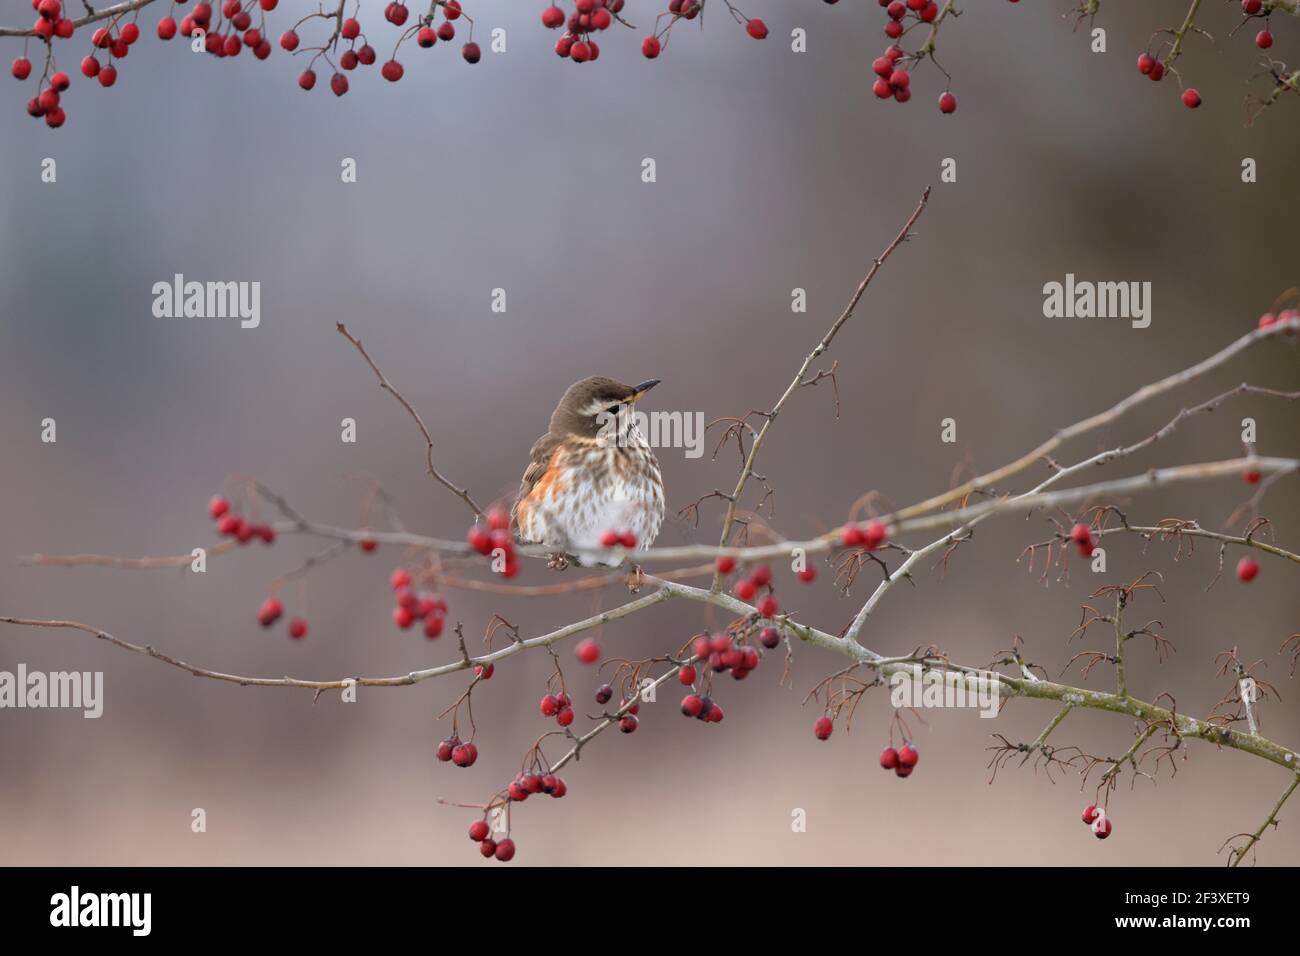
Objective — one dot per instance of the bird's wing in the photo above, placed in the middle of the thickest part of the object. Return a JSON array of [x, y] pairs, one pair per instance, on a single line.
[[540, 459]]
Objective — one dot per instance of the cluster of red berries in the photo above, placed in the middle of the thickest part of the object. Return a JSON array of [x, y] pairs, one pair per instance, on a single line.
[[892, 79], [50, 22], [415, 605], [454, 750], [240, 31], [628, 723], [1082, 537], [749, 587], [652, 45], [588, 17], [560, 707], [1153, 69], [1269, 319], [395, 13], [1098, 820], [480, 833], [870, 536], [232, 525], [527, 783], [272, 610], [721, 654], [762, 575], [1255, 8], [615, 539], [495, 537], [902, 761]]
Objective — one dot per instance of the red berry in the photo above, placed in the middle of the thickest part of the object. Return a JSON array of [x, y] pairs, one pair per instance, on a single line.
[[403, 617], [90, 67], [339, 84], [298, 628], [900, 79], [471, 52], [745, 590], [552, 17], [1263, 39], [628, 724], [610, 539], [166, 28], [22, 68], [107, 76], [1251, 7], [426, 37], [889, 758], [762, 575], [947, 103], [822, 728], [580, 52], [479, 830], [307, 79], [400, 578], [452, 10], [903, 771], [1089, 814], [217, 505], [875, 534], [1156, 72], [433, 627], [130, 33], [884, 91], [365, 544], [549, 706], [628, 539], [391, 71], [882, 66], [488, 848], [1250, 477], [1191, 99], [366, 54], [692, 704], [907, 756], [461, 756], [726, 564], [893, 29], [1102, 829], [715, 715], [351, 29], [1247, 568], [588, 651], [1145, 62], [445, 748], [565, 716], [650, 47], [770, 637], [687, 675], [768, 606], [505, 850], [269, 612], [808, 574], [604, 693], [756, 28], [485, 672], [1267, 319], [446, 31]]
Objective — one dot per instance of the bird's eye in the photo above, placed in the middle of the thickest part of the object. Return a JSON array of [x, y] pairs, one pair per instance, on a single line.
[[613, 409]]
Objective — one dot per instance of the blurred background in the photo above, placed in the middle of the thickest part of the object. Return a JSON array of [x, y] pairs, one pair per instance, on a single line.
[[776, 170]]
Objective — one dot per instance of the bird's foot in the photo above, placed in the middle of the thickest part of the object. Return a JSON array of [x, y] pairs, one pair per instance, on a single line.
[[557, 560], [635, 579]]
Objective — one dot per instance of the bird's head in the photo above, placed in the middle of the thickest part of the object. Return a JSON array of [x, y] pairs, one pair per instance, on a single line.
[[590, 407]]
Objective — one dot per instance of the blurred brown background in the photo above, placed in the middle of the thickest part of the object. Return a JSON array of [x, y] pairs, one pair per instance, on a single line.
[[775, 170]]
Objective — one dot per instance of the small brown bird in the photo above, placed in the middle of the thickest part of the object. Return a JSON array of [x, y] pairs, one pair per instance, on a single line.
[[591, 474]]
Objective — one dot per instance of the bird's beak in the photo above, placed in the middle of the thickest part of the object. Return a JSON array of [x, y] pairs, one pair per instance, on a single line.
[[644, 387]]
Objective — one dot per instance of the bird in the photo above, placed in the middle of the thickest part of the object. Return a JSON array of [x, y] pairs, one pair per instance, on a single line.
[[592, 474]]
